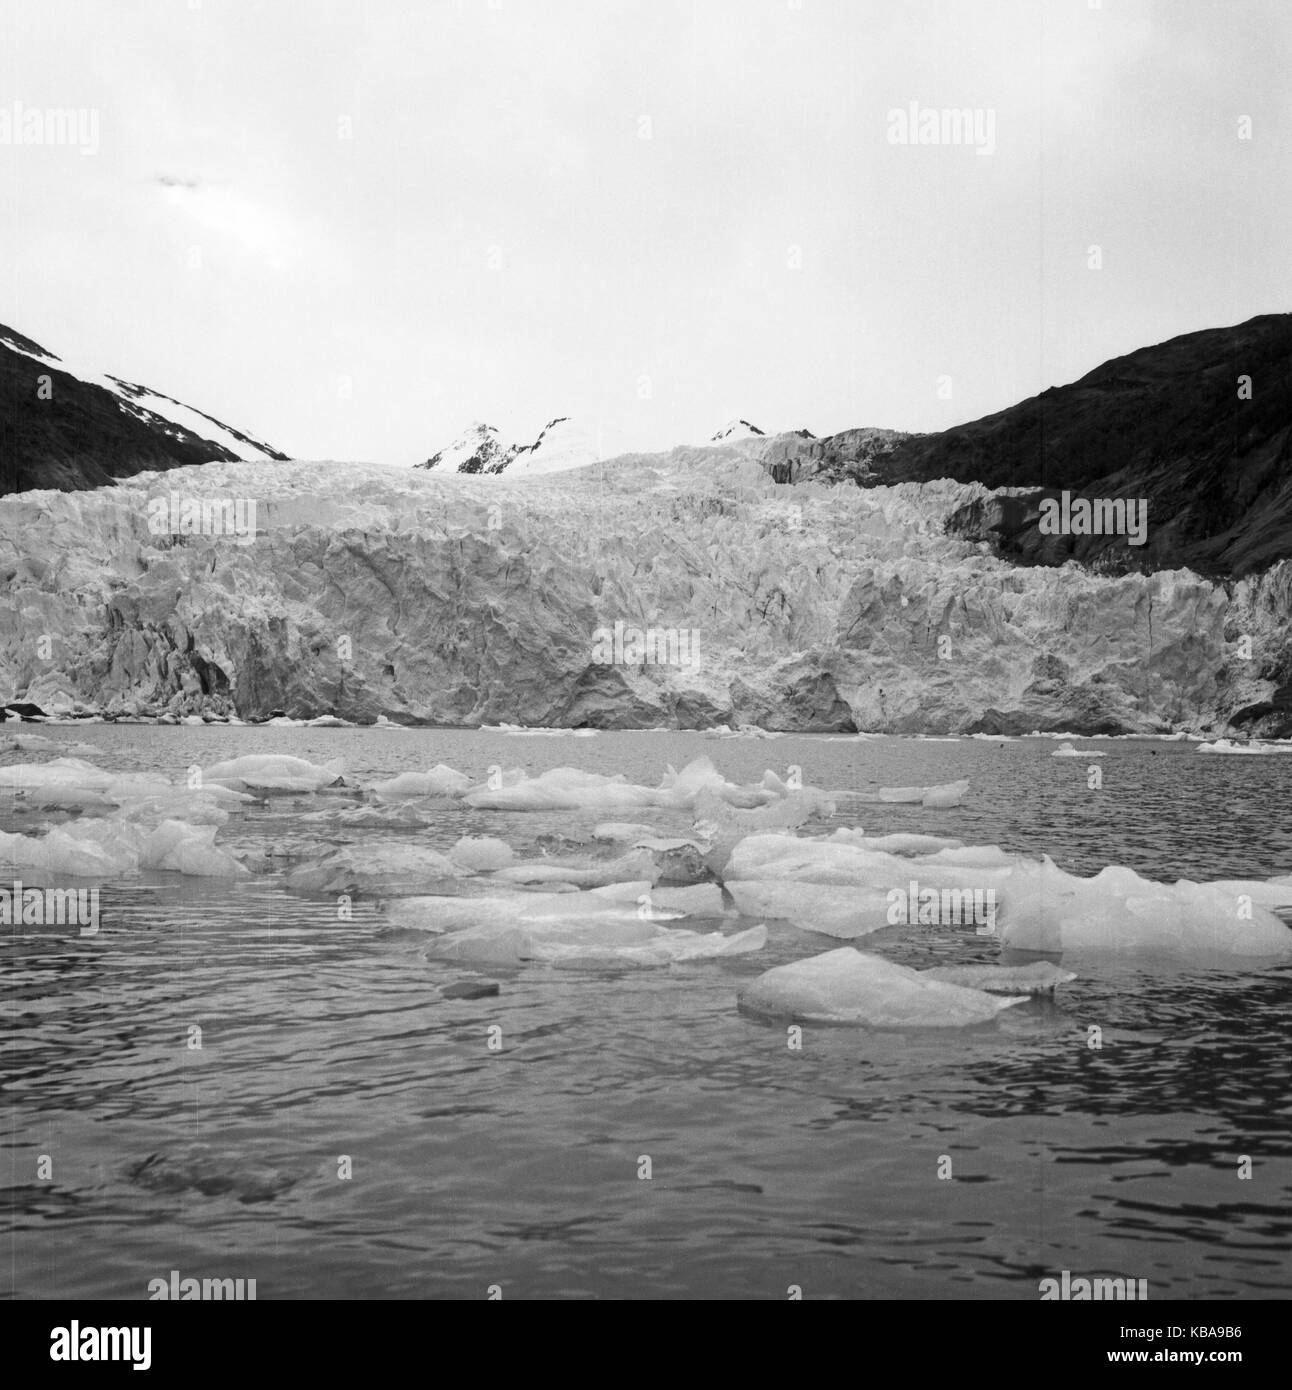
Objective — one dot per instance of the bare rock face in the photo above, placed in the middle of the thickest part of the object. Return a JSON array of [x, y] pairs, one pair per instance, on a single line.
[[681, 589], [850, 456]]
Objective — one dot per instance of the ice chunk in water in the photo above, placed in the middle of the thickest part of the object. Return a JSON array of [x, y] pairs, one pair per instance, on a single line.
[[607, 933], [1118, 912], [571, 789], [69, 783], [1225, 745], [845, 986], [274, 772], [441, 780], [637, 864], [482, 853], [627, 904], [698, 900], [114, 846], [944, 797], [625, 831], [188, 849], [1038, 978], [722, 827], [668, 948], [897, 843], [902, 794], [773, 856], [845, 913], [394, 868], [561, 789], [59, 853]]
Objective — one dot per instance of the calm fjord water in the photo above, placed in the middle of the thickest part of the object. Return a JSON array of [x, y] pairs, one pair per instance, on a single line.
[[519, 1167]]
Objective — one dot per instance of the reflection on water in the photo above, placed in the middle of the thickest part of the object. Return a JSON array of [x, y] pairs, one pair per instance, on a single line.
[[326, 1048]]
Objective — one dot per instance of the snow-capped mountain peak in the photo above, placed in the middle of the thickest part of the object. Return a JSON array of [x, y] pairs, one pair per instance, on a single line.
[[161, 414], [562, 443], [733, 430], [478, 449]]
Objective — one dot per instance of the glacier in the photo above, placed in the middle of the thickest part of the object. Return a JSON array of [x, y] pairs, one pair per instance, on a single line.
[[381, 595]]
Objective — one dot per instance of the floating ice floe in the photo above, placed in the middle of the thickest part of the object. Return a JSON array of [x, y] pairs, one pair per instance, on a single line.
[[817, 907], [1038, 907], [57, 853], [696, 900], [175, 805], [273, 772], [112, 848], [28, 743], [1038, 978], [584, 873], [620, 924], [188, 849], [68, 783], [944, 797], [622, 831], [935, 798], [900, 842], [396, 868], [571, 789], [720, 826], [537, 731], [1225, 745], [482, 853], [846, 986], [439, 781], [177, 799], [73, 784], [1118, 912], [1066, 750], [613, 903], [564, 789], [667, 947]]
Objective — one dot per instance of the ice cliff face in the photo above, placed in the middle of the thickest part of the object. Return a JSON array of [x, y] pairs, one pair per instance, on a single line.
[[679, 589]]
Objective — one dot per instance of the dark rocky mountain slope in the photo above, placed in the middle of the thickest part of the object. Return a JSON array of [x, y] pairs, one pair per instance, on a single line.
[[1174, 424], [82, 430]]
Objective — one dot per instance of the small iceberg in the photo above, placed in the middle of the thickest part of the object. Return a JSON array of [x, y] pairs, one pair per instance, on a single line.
[[1225, 745], [1066, 750], [846, 986], [273, 772], [482, 853], [637, 864], [394, 868], [115, 848], [440, 781], [621, 925], [813, 906]]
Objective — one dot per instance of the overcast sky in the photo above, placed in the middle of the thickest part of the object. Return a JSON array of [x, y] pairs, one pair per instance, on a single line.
[[411, 215]]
